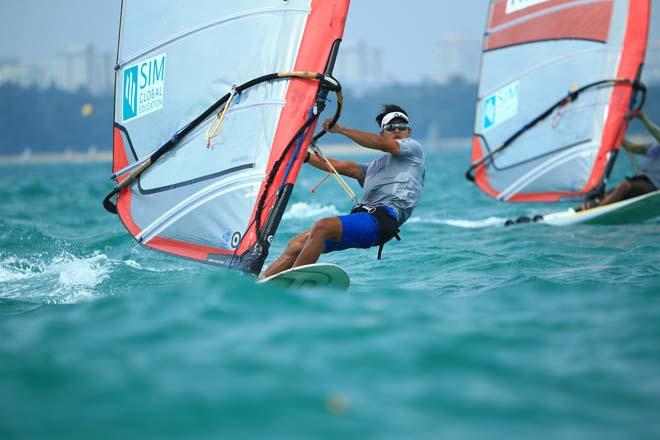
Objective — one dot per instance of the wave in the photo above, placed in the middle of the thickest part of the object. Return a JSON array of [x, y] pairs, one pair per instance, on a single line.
[[302, 210], [64, 279], [13, 269], [170, 267], [461, 223]]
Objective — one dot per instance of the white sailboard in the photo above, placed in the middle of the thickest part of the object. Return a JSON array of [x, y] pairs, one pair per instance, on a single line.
[[215, 106], [311, 276], [635, 210], [557, 78]]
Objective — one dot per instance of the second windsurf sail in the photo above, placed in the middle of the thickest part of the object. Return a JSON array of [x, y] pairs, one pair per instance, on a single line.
[[557, 78]]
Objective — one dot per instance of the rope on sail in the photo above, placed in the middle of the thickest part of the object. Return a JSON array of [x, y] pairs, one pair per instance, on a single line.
[[215, 125], [332, 171]]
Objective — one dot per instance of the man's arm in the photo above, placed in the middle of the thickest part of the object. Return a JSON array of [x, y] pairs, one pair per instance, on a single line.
[[650, 126], [634, 147], [343, 167], [366, 139]]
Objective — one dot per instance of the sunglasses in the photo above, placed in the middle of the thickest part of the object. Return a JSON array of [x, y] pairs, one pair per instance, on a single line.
[[394, 127]]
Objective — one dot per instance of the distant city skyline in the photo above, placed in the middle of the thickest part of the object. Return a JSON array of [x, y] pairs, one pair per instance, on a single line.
[[404, 41], [74, 68]]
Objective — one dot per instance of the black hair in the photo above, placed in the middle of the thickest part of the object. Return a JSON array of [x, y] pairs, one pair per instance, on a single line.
[[389, 108]]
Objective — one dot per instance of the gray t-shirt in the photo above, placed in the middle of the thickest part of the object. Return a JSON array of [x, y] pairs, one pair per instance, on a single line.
[[395, 181], [651, 166]]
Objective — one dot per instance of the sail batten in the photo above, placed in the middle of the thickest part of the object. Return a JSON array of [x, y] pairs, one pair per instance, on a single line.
[[204, 26], [196, 200]]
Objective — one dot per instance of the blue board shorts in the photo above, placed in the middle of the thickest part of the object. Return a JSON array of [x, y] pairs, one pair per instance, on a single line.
[[360, 230]]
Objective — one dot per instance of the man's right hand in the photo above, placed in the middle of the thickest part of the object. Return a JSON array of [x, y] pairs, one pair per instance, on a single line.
[[334, 129]]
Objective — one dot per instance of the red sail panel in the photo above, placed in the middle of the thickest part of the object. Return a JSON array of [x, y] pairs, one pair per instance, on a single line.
[[324, 26], [553, 20], [480, 172], [632, 58]]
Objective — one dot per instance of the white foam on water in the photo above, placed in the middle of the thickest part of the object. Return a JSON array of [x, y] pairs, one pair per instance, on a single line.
[[75, 271], [77, 277], [135, 265], [461, 223], [132, 263], [472, 224], [13, 269], [65, 279], [302, 210]]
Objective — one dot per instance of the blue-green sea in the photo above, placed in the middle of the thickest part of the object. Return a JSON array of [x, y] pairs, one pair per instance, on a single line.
[[464, 330]]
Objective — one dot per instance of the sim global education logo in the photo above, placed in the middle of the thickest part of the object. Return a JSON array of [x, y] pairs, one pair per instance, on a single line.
[[143, 88], [501, 106]]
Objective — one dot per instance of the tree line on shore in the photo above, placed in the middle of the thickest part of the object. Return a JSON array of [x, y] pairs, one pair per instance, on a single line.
[[54, 120]]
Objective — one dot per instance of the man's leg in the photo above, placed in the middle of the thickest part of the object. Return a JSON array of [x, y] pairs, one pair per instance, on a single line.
[[618, 194], [324, 229], [288, 257], [628, 189], [639, 187]]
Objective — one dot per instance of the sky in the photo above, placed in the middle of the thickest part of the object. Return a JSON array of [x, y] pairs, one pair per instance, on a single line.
[[406, 31]]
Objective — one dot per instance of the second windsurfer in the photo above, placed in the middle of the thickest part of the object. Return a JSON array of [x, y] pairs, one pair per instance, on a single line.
[[648, 179]]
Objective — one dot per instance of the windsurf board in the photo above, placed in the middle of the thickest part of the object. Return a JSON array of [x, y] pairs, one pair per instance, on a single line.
[[311, 275], [629, 211]]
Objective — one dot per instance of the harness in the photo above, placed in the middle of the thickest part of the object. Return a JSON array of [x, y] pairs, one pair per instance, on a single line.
[[388, 226]]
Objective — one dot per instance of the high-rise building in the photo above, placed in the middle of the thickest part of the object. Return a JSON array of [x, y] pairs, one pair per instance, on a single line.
[[651, 71], [84, 67], [12, 71], [359, 66], [457, 56]]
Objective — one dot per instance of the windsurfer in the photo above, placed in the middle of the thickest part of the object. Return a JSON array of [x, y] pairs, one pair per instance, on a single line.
[[648, 179], [391, 187]]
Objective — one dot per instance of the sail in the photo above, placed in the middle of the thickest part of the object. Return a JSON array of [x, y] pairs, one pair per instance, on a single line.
[[557, 78], [213, 180]]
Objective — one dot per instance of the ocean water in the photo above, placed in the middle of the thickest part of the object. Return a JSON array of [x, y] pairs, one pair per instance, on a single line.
[[465, 329]]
